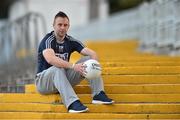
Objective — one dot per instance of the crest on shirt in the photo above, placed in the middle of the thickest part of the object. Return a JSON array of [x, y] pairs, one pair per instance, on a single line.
[[61, 48], [63, 56]]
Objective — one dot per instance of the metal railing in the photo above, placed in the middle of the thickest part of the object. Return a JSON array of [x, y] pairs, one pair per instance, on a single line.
[[160, 30], [155, 24], [18, 44]]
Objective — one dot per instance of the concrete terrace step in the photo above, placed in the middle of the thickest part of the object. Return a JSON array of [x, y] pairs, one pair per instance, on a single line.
[[86, 98], [136, 58], [128, 44], [139, 79], [124, 89], [142, 70], [140, 63], [131, 60], [138, 108], [144, 86], [86, 116]]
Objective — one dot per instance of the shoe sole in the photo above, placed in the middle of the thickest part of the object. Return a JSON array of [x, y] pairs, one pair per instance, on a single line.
[[101, 102], [75, 111]]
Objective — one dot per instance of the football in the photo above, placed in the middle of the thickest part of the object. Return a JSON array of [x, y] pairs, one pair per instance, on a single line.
[[93, 69]]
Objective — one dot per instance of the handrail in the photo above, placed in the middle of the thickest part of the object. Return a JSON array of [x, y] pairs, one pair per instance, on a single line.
[[21, 36], [18, 43]]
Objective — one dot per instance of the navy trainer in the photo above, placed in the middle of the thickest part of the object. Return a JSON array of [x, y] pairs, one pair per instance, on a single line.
[[77, 107], [102, 98]]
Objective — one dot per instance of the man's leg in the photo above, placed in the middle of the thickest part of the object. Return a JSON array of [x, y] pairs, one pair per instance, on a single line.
[[75, 78], [54, 80], [96, 85], [97, 88]]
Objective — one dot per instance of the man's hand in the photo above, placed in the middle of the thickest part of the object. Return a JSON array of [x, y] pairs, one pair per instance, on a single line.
[[79, 67]]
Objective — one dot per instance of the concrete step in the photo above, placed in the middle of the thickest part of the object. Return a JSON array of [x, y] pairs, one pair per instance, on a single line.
[[87, 116], [142, 70], [139, 63], [121, 44], [86, 98], [139, 108], [135, 58], [139, 79], [124, 89], [126, 79]]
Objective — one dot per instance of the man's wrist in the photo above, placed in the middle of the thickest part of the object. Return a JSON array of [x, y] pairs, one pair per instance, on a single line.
[[72, 66]]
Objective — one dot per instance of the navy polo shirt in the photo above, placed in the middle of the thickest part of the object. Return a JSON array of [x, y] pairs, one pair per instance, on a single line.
[[62, 50]]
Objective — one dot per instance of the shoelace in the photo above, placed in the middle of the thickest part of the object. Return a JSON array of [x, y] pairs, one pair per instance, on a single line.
[[103, 93], [105, 96]]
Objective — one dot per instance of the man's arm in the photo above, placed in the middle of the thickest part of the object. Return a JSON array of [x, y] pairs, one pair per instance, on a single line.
[[52, 59], [89, 52]]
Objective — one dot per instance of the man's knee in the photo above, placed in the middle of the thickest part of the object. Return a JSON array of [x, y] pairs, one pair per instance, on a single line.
[[56, 69]]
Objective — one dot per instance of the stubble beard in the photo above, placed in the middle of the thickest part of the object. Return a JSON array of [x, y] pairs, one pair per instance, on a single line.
[[60, 35]]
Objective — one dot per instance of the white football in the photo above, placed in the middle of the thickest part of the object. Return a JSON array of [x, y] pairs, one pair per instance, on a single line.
[[93, 69]]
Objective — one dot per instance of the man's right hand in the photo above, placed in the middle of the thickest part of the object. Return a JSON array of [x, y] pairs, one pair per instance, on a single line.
[[79, 67]]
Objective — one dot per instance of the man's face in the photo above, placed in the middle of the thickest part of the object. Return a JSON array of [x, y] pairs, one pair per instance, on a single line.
[[61, 26]]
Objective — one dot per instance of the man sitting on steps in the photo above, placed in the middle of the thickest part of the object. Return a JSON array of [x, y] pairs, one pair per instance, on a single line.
[[57, 75]]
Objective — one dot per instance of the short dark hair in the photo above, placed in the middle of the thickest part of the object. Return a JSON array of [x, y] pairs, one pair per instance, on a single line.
[[61, 14]]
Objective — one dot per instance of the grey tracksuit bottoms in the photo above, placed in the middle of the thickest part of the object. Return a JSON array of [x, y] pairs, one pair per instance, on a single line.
[[62, 81]]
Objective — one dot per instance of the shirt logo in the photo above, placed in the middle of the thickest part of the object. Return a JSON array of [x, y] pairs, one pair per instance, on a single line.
[[63, 56], [61, 48]]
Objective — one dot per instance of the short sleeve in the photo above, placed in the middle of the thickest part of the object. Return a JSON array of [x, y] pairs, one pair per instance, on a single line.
[[77, 45], [49, 42]]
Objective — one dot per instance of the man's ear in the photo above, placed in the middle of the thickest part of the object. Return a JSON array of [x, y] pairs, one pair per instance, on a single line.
[[53, 23]]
